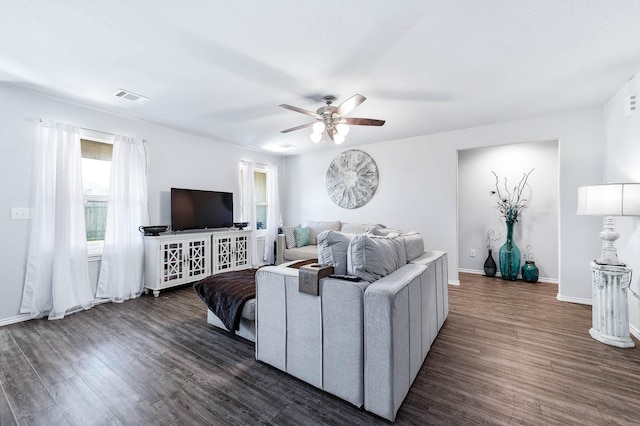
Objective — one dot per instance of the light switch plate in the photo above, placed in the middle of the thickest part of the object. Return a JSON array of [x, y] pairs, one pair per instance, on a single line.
[[21, 213]]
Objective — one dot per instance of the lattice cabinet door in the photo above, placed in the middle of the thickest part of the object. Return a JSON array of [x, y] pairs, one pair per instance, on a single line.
[[198, 256], [242, 258], [172, 266], [223, 253]]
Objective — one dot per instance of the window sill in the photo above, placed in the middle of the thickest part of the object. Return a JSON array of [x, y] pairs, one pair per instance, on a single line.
[[94, 249]]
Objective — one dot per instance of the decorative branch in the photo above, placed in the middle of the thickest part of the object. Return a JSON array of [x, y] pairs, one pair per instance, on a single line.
[[511, 205], [490, 239], [528, 255]]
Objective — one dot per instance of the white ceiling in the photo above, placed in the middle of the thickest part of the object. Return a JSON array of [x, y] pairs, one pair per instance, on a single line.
[[221, 68]]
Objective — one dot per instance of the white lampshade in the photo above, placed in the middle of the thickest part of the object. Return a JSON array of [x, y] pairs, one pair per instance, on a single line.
[[343, 129], [315, 137], [338, 138], [614, 199], [318, 127]]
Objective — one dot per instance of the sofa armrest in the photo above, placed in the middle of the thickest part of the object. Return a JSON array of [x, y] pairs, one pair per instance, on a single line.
[[438, 261], [318, 339], [280, 246], [397, 336], [429, 256]]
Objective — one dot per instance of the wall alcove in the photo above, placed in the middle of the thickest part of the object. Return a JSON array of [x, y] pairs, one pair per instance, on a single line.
[[477, 211]]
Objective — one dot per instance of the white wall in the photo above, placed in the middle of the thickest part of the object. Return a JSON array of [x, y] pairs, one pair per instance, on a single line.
[[622, 164], [175, 159], [418, 186], [537, 225]]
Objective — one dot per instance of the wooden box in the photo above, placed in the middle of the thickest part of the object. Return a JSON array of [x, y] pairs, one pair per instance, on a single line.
[[309, 277]]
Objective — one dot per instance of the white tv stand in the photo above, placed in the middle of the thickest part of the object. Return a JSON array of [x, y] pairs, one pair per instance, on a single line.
[[185, 257]]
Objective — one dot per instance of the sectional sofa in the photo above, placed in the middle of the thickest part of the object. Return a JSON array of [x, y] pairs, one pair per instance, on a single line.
[[363, 341], [287, 250]]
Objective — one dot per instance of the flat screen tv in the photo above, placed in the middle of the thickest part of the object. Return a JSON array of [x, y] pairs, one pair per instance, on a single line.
[[195, 209]]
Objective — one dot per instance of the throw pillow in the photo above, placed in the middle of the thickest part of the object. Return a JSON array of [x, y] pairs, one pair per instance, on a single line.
[[413, 245], [302, 237], [316, 228], [354, 228], [381, 231], [372, 258], [332, 250], [289, 237]]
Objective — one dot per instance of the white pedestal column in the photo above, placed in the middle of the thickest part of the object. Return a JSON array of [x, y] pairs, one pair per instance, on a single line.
[[610, 312]]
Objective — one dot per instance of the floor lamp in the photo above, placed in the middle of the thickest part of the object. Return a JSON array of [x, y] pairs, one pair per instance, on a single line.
[[610, 277]]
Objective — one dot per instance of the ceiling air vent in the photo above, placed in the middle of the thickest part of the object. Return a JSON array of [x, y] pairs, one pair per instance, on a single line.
[[130, 96], [630, 105]]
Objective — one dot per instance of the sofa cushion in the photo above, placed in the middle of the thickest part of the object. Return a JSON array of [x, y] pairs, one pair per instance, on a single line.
[[354, 228], [289, 236], [302, 237], [413, 245], [371, 258], [301, 253], [332, 250], [316, 228], [249, 310]]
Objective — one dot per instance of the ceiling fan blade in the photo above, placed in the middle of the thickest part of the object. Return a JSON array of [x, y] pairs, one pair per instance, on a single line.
[[303, 111], [347, 106], [302, 126], [362, 121]]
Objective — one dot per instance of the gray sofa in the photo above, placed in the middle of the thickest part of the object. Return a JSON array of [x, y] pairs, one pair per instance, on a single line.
[[363, 341], [287, 251]]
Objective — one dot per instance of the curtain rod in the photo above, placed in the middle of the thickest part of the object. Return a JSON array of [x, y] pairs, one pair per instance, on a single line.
[[90, 130], [257, 164]]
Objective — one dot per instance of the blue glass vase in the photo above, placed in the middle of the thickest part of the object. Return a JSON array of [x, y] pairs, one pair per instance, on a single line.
[[509, 256], [530, 271]]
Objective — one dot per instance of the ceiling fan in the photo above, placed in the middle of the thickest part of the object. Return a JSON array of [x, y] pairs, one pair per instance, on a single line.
[[332, 119]]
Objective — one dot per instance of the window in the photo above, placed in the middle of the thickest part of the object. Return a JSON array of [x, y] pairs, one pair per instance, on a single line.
[[96, 172], [260, 195], [260, 183]]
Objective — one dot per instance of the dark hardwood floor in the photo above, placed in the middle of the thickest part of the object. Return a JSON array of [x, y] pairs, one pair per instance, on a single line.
[[509, 353]]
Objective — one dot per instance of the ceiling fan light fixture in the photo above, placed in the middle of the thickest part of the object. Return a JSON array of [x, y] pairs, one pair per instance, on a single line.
[[318, 127], [343, 129], [331, 119]]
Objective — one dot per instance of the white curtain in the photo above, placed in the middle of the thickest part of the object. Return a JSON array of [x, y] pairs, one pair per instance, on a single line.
[[57, 275], [273, 213], [121, 271], [247, 169]]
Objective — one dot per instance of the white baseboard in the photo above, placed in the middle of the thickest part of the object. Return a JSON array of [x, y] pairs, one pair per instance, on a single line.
[[454, 282], [26, 317], [14, 320], [471, 271], [634, 331], [579, 300], [479, 272]]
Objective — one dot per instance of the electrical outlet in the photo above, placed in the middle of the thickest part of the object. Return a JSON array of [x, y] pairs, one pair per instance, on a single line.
[[472, 253], [21, 213]]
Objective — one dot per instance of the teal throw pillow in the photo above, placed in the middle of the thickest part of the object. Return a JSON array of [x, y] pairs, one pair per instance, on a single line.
[[302, 237]]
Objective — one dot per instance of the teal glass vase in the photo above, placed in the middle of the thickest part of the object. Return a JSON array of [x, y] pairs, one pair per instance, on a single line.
[[509, 256], [530, 272]]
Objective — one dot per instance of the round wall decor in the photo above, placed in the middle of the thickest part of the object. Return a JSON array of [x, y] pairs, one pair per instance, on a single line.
[[352, 179]]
